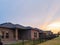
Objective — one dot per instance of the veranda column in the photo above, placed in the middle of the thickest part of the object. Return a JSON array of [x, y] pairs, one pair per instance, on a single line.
[[4, 35], [16, 31]]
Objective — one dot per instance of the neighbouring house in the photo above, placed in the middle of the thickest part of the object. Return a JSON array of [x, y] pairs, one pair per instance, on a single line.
[[11, 32], [46, 35], [41, 34]]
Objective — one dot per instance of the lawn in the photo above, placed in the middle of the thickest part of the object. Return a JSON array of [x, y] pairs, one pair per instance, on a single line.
[[26, 43], [55, 41]]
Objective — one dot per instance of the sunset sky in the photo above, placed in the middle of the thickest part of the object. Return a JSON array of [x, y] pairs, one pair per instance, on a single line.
[[35, 13]]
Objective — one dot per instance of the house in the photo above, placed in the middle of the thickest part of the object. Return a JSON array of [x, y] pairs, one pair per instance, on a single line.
[[46, 35], [9, 32], [41, 34]]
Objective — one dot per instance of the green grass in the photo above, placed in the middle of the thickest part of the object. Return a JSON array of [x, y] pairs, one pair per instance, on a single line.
[[55, 41], [27, 42]]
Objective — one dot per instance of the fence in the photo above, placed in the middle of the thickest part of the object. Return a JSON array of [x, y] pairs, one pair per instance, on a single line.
[[40, 40], [35, 41]]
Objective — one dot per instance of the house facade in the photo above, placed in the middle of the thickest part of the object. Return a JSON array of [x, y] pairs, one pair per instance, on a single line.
[[9, 32], [46, 35]]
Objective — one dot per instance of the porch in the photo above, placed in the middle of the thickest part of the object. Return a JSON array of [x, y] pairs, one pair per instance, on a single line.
[[22, 34]]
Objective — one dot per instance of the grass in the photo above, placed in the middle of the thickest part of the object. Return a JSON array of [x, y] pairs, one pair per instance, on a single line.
[[55, 41], [28, 42]]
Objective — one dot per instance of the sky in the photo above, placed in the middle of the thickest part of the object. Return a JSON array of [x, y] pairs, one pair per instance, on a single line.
[[34, 13]]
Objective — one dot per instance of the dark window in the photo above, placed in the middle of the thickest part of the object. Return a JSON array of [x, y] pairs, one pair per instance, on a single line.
[[2, 34], [7, 35], [35, 34]]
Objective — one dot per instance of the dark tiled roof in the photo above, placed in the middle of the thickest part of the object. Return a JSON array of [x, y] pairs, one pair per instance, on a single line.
[[39, 30], [19, 26], [28, 27], [7, 25], [10, 25]]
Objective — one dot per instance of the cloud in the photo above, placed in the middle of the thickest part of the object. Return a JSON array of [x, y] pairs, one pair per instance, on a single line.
[[51, 13]]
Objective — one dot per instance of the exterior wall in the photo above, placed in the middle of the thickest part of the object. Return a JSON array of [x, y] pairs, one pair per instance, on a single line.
[[24, 34], [45, 35], [32, 34], [48, 32], [27, 35], [10, 34]]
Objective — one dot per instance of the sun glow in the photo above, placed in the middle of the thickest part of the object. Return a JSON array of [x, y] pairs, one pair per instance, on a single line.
[[54, 27]]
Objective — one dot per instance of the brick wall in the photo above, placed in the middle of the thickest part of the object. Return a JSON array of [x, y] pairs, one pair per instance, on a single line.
[[32, 34], [5, 30]]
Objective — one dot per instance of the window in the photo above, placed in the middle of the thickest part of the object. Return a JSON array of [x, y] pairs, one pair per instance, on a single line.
[[7, 35], [35, 34], [2, 34]]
